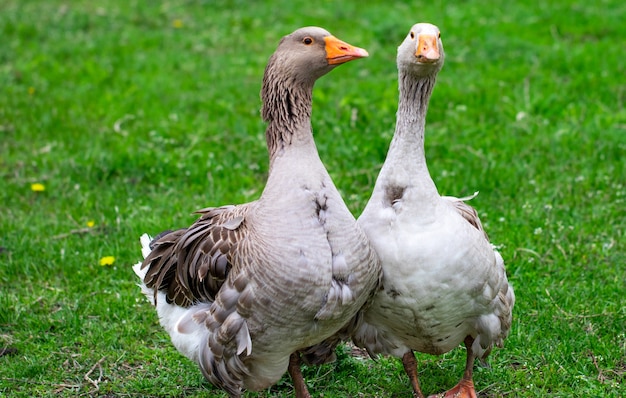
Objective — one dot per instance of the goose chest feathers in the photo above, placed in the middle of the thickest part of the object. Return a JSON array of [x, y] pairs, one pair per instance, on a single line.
[[246, 287], [443, 282]]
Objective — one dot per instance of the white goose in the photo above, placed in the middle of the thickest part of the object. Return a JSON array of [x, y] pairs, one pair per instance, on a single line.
[[245, 287], [443, 282]]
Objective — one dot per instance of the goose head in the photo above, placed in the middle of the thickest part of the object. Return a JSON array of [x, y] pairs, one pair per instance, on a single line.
[[300, 59], [309, 53], [421, 52]]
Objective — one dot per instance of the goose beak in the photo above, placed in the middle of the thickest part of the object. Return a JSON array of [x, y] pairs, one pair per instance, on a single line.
[[338, 52], [427, 49]]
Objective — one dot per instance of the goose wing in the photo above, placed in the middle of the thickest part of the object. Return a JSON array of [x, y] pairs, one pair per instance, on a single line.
[[191, 264], [467, 212]]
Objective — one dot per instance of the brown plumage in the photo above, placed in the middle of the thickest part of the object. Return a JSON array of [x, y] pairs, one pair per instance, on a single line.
[[246, 287], [192, 264]]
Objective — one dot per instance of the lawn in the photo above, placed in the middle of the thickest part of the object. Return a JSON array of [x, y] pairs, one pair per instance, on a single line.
[[130, 115]]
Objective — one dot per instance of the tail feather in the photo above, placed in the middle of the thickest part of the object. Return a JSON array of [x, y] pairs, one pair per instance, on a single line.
[[141, 272], [145, 240]]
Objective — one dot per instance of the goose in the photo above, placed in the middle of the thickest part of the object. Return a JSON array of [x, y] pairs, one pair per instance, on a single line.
[[443, 282], [247, 286]]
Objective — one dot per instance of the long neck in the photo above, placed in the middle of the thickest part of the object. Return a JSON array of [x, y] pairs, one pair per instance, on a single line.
[[406, 162], [294, 160], [287, 109], [411, 117]]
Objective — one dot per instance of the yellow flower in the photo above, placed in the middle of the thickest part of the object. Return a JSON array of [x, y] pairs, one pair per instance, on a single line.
[[107, 260], [177, 23], [91, 223], [31, 90], [37, 187]]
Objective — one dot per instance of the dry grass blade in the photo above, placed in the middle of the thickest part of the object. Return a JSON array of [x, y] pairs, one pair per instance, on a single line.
[[98, 365]]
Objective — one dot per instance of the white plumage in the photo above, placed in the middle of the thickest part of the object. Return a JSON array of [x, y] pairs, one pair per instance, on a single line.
[[443, 281]]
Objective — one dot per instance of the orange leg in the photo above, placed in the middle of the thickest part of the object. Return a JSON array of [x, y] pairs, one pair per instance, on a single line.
[[410, 367], [465, 388], [296, 376]]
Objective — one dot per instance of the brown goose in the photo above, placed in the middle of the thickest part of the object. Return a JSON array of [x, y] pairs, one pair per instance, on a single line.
[[245, 287], [443, 281]]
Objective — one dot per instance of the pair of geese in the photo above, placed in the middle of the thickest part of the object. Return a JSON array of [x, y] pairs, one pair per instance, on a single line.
[[250, 291]]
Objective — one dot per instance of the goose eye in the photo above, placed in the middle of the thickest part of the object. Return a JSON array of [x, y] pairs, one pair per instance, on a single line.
[[412, 35], [307, 41]]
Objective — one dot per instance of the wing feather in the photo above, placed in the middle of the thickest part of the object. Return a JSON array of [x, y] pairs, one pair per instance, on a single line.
[[191, 264], [467, 212]]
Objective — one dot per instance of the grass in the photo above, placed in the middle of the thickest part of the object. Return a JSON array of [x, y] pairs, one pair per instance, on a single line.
[[134, 115]]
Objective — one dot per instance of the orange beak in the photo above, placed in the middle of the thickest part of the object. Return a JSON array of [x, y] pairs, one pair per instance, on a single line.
[[427, 49], [338, 52]]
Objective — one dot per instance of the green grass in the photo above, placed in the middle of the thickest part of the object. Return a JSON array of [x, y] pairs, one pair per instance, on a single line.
[[134, 115]]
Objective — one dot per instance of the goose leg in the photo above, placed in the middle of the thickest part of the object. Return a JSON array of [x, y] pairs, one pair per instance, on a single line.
[[296, 375], [465, 388], [410, 367]]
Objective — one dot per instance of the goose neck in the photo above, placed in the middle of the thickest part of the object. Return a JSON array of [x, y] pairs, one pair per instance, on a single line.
[[287, 109], [413, 102], [411, 117], [405, 166]]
